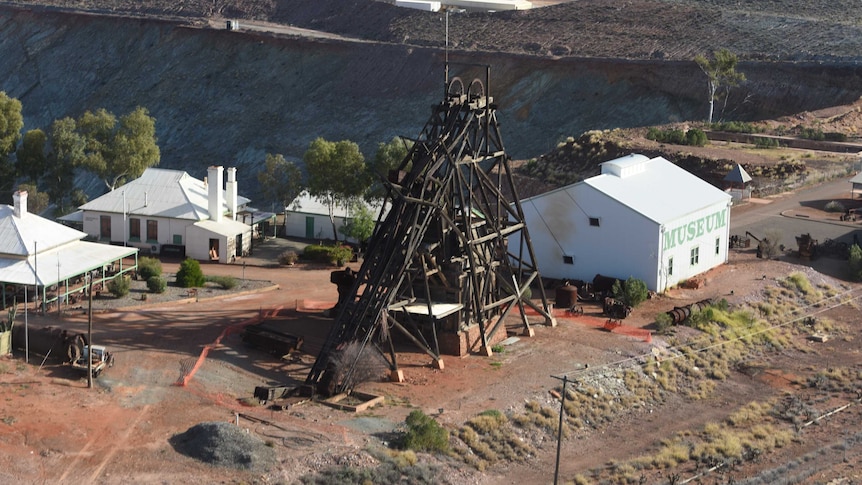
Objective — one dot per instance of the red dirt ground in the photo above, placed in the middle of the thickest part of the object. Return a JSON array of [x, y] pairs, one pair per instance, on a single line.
[[53, 429]]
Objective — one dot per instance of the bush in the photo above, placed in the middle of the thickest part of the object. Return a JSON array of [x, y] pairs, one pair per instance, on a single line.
[[149, 267], [424, 433], [694, 136], [120, 286], [736, 127], [812, 134], [834, 206], [156, 284], [288, 257], [337, 255], [226, 282], [663, 322], [190, 274], [632, 293], [763, 142], [855, 263]]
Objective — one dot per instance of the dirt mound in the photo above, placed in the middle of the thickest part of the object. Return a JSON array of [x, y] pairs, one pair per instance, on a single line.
[[227, 445]]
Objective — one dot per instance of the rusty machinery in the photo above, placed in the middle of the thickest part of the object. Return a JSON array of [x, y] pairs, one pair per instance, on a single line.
[[452, 251]]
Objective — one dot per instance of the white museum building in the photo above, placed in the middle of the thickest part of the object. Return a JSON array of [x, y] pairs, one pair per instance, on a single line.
[[643, 218]]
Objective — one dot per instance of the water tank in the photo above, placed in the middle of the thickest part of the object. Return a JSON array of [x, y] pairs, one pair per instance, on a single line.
[[567, 296]]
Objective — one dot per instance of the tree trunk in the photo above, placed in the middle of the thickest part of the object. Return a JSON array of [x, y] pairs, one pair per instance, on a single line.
[[712, 89], [331, 205]]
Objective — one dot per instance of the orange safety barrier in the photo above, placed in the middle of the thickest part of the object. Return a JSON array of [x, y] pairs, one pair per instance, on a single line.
[[230, 330], [611, 325]]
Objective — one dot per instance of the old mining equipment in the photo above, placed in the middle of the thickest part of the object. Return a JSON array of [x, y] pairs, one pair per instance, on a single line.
[[452, 253]]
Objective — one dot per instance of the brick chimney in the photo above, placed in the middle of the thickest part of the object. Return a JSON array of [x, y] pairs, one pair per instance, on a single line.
[[230, 192], [215, 197], [19, 199]]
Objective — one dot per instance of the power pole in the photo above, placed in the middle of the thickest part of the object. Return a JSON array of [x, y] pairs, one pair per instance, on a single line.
[[560, 429], [90, 334]]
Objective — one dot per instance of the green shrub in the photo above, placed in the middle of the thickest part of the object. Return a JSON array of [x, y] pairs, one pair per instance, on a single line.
[[120, 286], [156, 284], [424, 433], [190, 274], [149, 267], [763, 142], [226, 282], [695, 137], [632, 292], [855, 263], [663, 322], [316, 253], [736, 127], [337, 255], [812, 134]]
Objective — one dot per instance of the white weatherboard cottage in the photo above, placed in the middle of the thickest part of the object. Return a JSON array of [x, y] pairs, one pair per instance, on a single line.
[[169, 212], [50, 257], [308, 218], [643, 218]]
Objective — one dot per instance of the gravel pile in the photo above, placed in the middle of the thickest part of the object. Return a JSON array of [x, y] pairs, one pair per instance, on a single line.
[[226, 445]]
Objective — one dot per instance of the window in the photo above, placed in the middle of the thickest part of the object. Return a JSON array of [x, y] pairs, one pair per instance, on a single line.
[[670, 266], [568, 259], [594, 221], [695, 255], [178, 239], [105, 227], [717, 245], [134, 229], [152, 230]]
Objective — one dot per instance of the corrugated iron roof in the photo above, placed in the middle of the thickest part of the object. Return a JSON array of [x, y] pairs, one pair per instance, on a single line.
[[61, 263], [23, 236], [227, 227], [737, 175], [655, 188], [160, 192], [308, 204]]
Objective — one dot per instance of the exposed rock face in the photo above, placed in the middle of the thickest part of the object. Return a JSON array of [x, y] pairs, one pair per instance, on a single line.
[[229, 98]]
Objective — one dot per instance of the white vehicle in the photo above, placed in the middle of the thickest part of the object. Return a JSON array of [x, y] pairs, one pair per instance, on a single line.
[[101, 359]]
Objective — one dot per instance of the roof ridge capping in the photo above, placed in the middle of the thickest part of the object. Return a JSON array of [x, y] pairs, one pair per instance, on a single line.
[[625, 166]]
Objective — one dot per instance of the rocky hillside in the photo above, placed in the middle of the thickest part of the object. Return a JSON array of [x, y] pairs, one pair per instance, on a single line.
[[229, 98], [795, 30]]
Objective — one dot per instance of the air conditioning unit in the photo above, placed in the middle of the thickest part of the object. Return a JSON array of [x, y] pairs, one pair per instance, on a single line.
[[155, 248]]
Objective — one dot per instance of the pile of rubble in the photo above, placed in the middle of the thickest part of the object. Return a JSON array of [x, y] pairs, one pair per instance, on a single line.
[[227, 445]]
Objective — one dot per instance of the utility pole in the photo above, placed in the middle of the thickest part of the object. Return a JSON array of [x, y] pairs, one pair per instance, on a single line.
[[90, 333], [560, 429]]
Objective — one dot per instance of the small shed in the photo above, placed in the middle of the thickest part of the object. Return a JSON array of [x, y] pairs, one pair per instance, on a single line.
[[735, 182], [221, 241]]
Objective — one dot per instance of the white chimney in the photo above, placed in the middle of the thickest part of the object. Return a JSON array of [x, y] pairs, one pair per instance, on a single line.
[[215, 178], [230, 191], [19, 198]]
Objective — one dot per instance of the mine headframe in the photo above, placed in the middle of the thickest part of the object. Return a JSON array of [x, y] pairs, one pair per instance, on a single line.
[[451, 252]]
